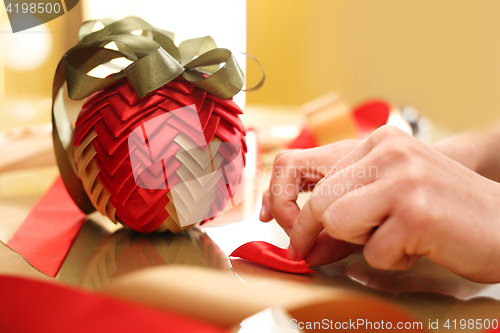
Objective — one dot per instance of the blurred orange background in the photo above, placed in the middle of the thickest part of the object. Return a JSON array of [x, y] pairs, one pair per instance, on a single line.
[[442, 57]]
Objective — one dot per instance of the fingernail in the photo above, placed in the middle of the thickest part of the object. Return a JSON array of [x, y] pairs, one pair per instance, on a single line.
[[262, 212], [291, 253]]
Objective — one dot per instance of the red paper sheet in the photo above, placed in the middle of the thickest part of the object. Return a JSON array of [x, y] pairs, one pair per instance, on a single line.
[[271, 256], [46, 235], [35, 306]]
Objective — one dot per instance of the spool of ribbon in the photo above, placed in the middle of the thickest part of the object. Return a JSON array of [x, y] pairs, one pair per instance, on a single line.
[[156, 61]]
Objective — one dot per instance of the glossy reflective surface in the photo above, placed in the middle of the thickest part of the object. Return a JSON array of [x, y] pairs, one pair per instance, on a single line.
[[428, 291], [104, 251]]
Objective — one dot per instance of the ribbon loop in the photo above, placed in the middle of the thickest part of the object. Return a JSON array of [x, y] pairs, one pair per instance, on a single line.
[[87, 27], [80, 84], [155, 56], [122, 27], [153, 71], [224, 83], [192, 48]]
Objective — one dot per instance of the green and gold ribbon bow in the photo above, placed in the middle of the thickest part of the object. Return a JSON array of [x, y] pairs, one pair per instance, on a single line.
[[156, 61]]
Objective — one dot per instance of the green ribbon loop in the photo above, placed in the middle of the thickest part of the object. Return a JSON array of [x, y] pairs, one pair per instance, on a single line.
[[156, 60], [149, 73]]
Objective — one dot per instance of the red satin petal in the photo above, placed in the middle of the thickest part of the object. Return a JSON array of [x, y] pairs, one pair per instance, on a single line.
[[271, 256]]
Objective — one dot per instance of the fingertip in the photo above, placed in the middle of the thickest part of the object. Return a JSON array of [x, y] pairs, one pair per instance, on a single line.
[[292, 255], [327, 250], [262, 215], [304, 233], [265, 214]]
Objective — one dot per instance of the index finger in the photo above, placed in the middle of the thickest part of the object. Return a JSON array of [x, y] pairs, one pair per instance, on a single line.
[[306, 225], [293, 169], [279, 201]]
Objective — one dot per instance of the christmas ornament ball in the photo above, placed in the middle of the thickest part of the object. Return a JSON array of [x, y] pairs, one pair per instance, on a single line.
[[184, 151]]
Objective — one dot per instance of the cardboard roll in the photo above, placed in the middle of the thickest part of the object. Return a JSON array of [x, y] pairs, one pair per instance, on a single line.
[[163, 162]]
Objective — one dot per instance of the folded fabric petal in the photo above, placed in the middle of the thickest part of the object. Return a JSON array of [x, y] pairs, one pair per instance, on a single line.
[[271, 256]]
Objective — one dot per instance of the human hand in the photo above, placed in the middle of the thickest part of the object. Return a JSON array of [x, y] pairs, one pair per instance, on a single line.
[[295, 171], [415, 202], [300, 170]]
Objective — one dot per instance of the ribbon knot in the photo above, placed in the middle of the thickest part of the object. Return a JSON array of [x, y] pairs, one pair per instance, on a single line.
[[156, 60]]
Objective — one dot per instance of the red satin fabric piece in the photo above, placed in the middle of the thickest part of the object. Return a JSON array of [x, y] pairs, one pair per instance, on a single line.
[[48, 232], [34, 306], [271, 256]]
